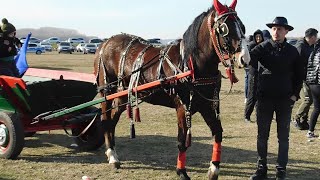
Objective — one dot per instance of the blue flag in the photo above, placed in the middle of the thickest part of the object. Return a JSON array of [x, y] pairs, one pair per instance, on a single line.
[[21, 57]]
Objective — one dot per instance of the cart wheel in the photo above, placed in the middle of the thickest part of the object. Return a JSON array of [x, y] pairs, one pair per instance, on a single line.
[[11, 136], [91, 140]]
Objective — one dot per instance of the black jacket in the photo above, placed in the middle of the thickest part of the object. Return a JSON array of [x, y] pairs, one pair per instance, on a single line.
[[304, 50], [313, 72], [280, 70], [13, 42], [251, 45]]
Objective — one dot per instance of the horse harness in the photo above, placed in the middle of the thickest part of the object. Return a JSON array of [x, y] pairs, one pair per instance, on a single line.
[[136, 75]]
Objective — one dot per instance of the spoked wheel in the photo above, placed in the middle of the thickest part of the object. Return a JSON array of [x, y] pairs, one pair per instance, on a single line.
[[11, 136], [93, 138]]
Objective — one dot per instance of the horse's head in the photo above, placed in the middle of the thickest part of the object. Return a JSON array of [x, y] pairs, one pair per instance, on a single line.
[[227, 32]]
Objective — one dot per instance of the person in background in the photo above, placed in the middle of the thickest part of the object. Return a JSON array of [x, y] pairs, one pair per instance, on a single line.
[[246, 69], [8, 49], [280, 75], [250, 38], [266, 34], [305, 46], [251, 75], [313, 81]]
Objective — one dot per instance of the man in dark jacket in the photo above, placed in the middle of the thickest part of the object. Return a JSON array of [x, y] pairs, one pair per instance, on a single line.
[[280, 74], [252, 78], [305, 46]]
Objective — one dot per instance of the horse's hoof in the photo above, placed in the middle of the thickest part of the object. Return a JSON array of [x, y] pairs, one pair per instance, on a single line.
[[115, 165], [212, 176], [183, 174], [184, 177], [213, 172]]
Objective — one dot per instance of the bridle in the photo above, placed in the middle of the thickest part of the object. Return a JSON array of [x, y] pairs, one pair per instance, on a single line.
[[219, 29]]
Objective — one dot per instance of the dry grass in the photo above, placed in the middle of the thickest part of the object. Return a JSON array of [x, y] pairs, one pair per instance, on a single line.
[[152, 155]]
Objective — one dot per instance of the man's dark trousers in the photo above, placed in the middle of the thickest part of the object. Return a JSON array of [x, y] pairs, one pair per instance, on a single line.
[[265, 108], [252, 96]]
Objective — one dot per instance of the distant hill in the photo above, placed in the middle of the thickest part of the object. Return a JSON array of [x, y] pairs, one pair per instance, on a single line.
[[46, 32]]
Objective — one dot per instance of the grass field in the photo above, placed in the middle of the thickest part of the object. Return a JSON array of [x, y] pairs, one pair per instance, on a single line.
[[152, 155]]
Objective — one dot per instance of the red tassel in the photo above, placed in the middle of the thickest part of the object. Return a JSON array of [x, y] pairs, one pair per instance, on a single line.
[[188, 138], [231, 75], [129, 111], [137, 115]]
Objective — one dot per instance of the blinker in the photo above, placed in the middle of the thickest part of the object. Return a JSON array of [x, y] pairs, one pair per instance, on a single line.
[[223, 30]]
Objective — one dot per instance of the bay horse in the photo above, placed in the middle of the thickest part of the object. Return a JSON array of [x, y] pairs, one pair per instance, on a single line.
[[125, 61]]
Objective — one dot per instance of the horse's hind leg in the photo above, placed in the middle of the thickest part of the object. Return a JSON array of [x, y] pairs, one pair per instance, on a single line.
[[214, 124], [182, 132], [109, 122]]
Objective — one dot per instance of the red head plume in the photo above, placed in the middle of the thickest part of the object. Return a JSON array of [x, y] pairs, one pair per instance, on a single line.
[[233, 5], [221, 9]]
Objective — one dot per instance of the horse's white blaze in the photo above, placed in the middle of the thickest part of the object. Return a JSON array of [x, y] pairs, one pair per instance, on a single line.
[[112, 156], [244, 56], [214, 169]]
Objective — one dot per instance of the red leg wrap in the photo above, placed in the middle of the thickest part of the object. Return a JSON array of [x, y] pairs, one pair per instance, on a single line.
[[216, 152], [181, 161]]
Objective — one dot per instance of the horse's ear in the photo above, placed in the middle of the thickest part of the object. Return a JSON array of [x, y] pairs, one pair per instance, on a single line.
[[221, 9], [233, 5]]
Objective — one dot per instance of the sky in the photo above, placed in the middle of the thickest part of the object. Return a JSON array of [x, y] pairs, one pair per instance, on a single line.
[[165, 19]]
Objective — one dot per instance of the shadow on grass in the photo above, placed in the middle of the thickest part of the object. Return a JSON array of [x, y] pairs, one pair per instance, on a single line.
[[157, 152], [52, 68]]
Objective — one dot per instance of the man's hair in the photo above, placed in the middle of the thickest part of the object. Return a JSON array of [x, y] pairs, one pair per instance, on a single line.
[[311, 32]]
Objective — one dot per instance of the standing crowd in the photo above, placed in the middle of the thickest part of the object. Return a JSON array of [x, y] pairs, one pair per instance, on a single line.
[[276, 74]]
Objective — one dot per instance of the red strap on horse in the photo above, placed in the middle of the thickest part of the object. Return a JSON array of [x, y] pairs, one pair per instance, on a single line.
[[231, 75], [190, 65]]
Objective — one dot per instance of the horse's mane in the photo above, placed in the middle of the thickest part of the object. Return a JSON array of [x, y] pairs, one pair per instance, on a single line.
[[190, 37]]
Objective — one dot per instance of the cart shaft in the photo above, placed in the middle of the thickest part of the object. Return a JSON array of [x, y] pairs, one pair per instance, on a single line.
[[118, 94]]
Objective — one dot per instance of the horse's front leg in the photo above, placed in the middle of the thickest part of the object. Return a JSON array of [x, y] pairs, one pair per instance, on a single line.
[[182, 132], [214, 123], [109, 122]]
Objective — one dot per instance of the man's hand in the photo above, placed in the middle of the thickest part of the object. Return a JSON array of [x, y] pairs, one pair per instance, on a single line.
[[9, 49], [293, 98]]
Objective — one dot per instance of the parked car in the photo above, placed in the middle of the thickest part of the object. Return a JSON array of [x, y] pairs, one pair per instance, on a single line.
[[35, 48], [65, 47], [52, 40], [89, 48], [47, 46], [31, 40], [95, 41], [75, 40], [292, 41], [155, 41], [79, 47]]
